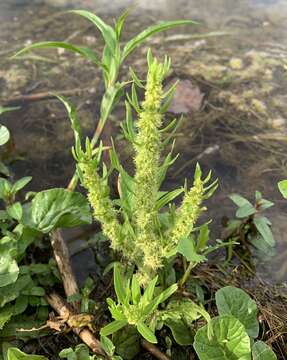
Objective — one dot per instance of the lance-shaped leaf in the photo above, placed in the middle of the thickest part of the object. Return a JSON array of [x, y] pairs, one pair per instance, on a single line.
[[106, 30], [141, 37], [84, 51]]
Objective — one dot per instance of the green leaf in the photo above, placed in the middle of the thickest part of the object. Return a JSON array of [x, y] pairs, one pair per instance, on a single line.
[[107, 345], [187, 249], [16, 354], [56, 208], [127, 342], [9, 270], [120, 23], [72, 112], [261, 351], [233, 301], [262, 225], [245, 211], [119, 284], [113, 327], [109, 100], [20, 184], [282, 186], [21, 304], [84, 51], [141, 37], [12, 291], [149, 291], [5, 315], [146, 332], [106, 30], [4, 135], [34, 291], [229, 342], [168, 197], [15, 211], [6, 109], [239, 200], [5, 188], [179, 316], [136, 290], [4, 170], [202, 238]]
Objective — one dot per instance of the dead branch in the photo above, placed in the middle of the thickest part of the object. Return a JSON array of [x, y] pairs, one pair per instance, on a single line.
[[151, 348], [65, 311]]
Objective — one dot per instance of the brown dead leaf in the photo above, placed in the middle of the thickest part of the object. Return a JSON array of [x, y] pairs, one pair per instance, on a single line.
[[187, 98]]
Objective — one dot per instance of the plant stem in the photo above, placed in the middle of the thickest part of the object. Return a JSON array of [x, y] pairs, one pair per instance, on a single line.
[[151, 348], [186, 275]]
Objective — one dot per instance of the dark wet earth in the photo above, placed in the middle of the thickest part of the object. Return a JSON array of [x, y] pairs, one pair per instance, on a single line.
[[232, 94]]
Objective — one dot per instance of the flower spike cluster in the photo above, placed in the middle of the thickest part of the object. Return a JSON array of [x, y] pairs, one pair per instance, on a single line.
[[147, 146], [135, 226]]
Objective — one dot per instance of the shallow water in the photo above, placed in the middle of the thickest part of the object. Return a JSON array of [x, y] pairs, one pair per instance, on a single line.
[[243, 141]]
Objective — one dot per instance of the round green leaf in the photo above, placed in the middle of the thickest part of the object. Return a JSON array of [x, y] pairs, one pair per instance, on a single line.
[[54, 208], [233, 301], [229, 341]]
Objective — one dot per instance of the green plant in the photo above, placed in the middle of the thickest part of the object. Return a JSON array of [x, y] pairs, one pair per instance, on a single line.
[[110, 62], [234, 330], [23, 225], [150, 228], [159, 244], [132, 307], [250, 227]]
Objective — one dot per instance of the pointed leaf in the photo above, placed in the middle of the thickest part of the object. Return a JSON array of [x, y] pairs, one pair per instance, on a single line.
[[239, 200], [106, 30], [262, 225], [140, 38], [245, 211], [20, 184], [119, 284], [16, 354], [113, 327], [84, 51], [146, 333]]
